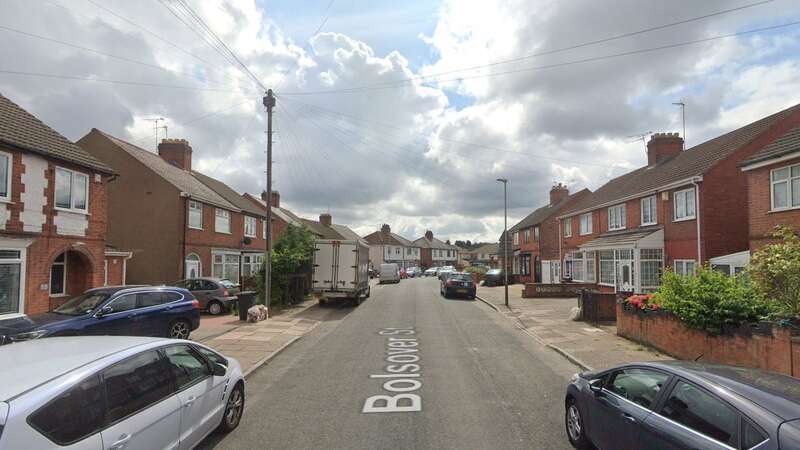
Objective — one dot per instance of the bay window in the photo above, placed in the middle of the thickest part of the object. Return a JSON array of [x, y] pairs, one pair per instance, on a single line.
[[649, 210], [225, 265], [684, 204], [589, 271], [616, 217], [577, 266], [607, 267], [785, 187], [586, 224], [71, 190], [651, 263], [251, 263]]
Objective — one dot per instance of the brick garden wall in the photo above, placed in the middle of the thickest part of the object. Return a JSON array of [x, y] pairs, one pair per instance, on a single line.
[[775, 351]]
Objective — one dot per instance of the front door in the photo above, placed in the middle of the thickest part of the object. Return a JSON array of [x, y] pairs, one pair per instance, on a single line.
[[192, 269], [625, 276]]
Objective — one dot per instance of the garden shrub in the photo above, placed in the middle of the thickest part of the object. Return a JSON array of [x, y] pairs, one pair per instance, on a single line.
[[292, 250], [775, 272], [481, 271]]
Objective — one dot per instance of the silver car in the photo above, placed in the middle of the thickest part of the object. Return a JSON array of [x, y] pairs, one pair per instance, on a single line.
[[114, 392]]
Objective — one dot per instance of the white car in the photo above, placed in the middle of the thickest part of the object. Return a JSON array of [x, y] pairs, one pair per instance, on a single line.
[[115, 392]]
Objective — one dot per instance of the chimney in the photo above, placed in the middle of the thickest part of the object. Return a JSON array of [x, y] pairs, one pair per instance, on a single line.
[[386, 229], [429, 235], [663, 146], [177, 152], [325, 219], [558, 192], [276, 199]]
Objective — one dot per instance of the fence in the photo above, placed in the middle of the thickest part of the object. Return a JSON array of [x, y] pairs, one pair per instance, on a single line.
[[597, 306]]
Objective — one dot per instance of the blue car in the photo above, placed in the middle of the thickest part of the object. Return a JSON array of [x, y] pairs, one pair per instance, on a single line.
[[120, 310]]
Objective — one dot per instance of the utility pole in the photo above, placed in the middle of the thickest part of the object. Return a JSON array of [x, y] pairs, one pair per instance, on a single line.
[[505, 235], [269, 103], [683, 117]]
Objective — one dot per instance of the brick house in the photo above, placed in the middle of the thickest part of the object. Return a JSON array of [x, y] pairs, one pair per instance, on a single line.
[[388, 247], [52, 217], [684, 208], [773, 188], [487, 254], [435, 253], [535, 238], [180, 222], [281, 217]]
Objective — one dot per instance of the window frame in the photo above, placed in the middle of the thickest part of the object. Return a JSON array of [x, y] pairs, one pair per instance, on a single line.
[[653, 214], [63, 276], [198, 210], [9, 177], [789, 194], [104, 421], [516, 238], [250, 220], [568, 227], [589, 224], [659, 400], [683, 262], [537, 233], [72, 176], [217, 216], [526, 235], [196, 354], [623, 220], [685, 193]]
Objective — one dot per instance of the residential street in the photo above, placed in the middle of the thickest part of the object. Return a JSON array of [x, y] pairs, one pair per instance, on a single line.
[[485, 384]]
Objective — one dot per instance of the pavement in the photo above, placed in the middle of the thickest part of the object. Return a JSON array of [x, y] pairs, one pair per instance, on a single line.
[[481, 382], [547, 320]]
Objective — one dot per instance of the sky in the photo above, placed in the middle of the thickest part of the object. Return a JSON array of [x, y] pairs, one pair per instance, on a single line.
[[404, 113]]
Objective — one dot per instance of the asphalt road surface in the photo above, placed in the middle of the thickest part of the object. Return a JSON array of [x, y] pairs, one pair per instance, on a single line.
[[481, 383]]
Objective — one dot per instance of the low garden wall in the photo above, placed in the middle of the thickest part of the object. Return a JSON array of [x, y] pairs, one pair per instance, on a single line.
[[539, 290], [598, 306], [767, 346]]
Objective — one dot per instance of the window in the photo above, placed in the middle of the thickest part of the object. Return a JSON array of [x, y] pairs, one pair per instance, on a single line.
[[516, 238], [222, 224], [195, 215], [684, 204], [751, 436], [212, 356], [616, 217], [249, 226], [72, 416], [700, 411], [649, 210], [146, 299], [651, 262], [785, 187], [683, 266], [577, 266], [251, 263], [58, 275], [641, 386], [586, 224], [568, 227], [607, 267], [397, 251], [124, 303], [72, 190], [536, 233], [187, 367], [225, 265], [264, 226], [589, 276], [134, 384], [5, 176], [526, 235]]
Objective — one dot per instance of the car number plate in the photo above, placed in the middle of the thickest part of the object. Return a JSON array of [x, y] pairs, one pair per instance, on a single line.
[[461, 291]]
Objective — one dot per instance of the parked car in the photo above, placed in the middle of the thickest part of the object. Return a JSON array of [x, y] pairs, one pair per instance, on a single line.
[[431, 272], [120, 310], [390, 273], [88, 392], [214, 294], [443, 271], [494, 277], [457, 283], [683, 404], [413, 272]]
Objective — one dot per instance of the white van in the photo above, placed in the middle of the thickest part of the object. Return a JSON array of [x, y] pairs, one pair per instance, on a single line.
[[390, 273]]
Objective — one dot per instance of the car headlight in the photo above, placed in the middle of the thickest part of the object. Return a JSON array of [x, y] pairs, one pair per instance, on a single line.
[[30, 335]]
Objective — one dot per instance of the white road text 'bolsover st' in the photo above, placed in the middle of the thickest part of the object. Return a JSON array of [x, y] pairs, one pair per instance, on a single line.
[[402, 377]]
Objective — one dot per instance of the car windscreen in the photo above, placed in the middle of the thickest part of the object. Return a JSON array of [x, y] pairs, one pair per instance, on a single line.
[[227, 283], [493, 272], [460, 277], [82, 304]]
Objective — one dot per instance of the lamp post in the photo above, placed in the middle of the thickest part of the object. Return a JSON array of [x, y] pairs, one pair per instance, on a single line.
[[505, 235]]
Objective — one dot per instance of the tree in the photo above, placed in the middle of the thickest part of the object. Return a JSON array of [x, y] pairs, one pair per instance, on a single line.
[[292, 251], [775, 271]]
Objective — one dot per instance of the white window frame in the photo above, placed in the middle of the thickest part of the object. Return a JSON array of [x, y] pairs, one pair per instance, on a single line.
[[516, 238], [526, 235], [217, 217], [622, 216], [199, 209], [9, 175], [788, 181], [537, 233], [252, 224], [63, 278], [682, 263], [651, 200], [264, 227], [568, 227], [72, 175], [685, 193], [588, 229], [23, 251], [225, 263]]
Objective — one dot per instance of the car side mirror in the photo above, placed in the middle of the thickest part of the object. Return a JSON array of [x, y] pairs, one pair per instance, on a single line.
[[104, 311], [596, 386], [218, 369]]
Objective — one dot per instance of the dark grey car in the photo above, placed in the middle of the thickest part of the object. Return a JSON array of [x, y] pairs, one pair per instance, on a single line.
[[683, 405], [214, 294]]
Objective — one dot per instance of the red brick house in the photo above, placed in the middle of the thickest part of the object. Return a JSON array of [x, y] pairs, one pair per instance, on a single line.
[[435, 253], [684, 208], [281, 217], [181, 223], [535, 239], [773, 188], [388, 247], [52, 217]]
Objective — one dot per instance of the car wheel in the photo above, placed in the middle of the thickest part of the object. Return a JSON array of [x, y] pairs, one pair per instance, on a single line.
[[179, 329], [369, 289], [215, 308], [233, 410], [576, 432]]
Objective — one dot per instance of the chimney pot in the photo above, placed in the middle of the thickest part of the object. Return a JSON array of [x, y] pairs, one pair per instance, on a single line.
[[264, 196], [325, 219], [177, 152], [276, 199], [662, 146], [558, 192], [386, 229], [429, 235]]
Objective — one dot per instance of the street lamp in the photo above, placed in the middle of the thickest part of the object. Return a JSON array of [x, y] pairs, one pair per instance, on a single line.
[[505, 234]]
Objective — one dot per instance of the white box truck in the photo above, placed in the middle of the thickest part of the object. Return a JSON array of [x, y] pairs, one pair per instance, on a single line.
[[341, 270]]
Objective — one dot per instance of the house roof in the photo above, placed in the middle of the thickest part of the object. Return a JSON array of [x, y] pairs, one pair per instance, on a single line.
[[334, 231], [21, 129], [784, 145], [637, 236], [545, 212], [381, 238], [181, 179], [423, 242], [283, 213], [230, 195], [689, 163], [487, 248]]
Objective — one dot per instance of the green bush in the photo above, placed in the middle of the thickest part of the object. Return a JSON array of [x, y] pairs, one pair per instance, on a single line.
[[775, 272], [710, 300], [481, 271], [293, 249]]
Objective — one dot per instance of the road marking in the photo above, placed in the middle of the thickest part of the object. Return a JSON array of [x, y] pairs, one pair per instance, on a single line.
[[402, 375]]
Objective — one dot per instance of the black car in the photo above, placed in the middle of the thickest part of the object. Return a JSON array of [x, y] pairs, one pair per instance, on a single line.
[[457, 283], [120, 310], [683, 405], [494, 277]]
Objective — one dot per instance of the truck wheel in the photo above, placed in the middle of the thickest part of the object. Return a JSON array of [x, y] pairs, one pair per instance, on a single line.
[[322, 301]]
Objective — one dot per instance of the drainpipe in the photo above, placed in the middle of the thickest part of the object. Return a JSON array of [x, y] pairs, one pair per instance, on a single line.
[[560, 256], [183, 241], [697, 218]]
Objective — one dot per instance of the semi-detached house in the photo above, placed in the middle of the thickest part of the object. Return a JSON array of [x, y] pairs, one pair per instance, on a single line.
[[53, 241], [435, 253], [682, 209], [180, 223], [388, 247]]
